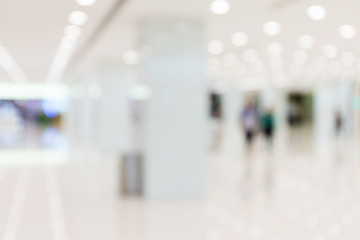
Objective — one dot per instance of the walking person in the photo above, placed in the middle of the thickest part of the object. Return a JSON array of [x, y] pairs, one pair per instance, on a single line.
[[249, 119], [267, 123]]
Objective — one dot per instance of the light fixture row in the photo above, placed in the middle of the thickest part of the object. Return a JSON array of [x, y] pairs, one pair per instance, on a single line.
[[67, 45], [10, 66], [222, 7], [69, 41], [273, 28], [251, 63], [241, 39], [275, 51]]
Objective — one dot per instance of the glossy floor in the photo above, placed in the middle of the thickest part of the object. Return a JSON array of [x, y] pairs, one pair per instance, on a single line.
[[294, 188]]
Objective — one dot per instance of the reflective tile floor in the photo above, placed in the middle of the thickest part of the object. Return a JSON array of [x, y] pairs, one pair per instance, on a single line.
[[293, 189]]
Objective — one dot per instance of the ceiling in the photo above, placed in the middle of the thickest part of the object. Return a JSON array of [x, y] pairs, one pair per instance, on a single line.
[[31, 33]]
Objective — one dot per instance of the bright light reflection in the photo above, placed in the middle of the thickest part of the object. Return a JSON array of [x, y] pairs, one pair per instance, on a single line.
[[72, 31], [220, 7], [347, 31], [272, 28], [78, 18], [86, 2], [316, 12], [10, 66]]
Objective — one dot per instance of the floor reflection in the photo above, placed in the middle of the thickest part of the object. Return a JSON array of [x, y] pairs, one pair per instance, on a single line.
[[284, 191], [289, 191]]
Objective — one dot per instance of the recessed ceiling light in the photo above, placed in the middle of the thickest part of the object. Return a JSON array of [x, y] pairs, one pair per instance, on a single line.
[[316, 12], [78, 18], [215, 47], [68, 43], [220, 7], [239, 39], [347, 31], [330, 51], [306, 41], [10, 66], [272, 28], [72, 31], [86, 2]]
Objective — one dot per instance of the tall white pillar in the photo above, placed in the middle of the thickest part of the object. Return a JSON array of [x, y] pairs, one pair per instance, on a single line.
[[115, 78], [324, 108], [176, 113]]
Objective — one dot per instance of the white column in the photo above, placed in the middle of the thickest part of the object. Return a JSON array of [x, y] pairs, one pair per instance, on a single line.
[[115, 78], [176, 113], [324, 108]]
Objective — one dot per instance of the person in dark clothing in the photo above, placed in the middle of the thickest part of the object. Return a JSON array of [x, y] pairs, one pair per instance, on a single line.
[[338, 122], [267, 124]]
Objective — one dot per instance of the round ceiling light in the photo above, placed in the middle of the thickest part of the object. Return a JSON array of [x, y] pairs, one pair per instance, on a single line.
[[78, 18], [239, 39], [316, 12], [347, 31], [272, 28], [306, 41], [86, 2], [330, 51], [215, 47], [220, 7]]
